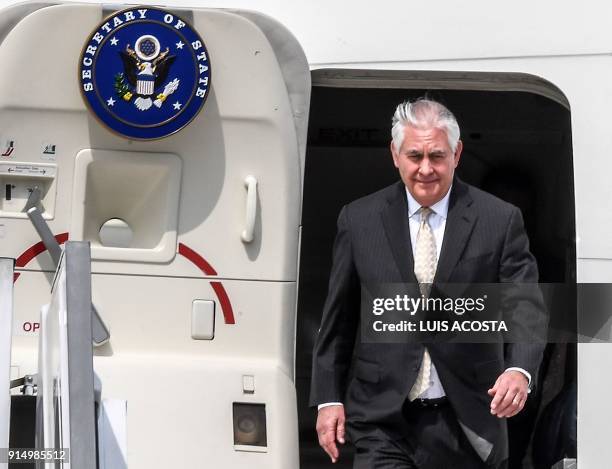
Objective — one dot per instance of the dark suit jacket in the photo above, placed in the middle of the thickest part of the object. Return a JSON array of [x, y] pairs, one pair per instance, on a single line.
[[484, 242]]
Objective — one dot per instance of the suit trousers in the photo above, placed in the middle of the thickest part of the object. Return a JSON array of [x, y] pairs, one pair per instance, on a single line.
[[434, 440]]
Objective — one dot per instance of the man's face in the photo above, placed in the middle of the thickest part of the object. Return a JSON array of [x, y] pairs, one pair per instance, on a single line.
[[426, 163]]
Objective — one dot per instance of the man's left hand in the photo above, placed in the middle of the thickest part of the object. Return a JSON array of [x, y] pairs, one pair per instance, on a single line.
[[509, 394]]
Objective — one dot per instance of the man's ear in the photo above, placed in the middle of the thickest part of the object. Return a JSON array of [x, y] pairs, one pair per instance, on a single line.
[[458, 151], [394, 154]]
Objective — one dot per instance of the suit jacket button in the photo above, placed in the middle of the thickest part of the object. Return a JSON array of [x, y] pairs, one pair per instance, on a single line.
[[415, 368]]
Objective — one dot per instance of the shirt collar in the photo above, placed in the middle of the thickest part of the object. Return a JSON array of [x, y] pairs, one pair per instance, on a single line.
[[439, 208]]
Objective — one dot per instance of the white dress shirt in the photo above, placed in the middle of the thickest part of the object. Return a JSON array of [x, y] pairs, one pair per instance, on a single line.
[[437, 222]]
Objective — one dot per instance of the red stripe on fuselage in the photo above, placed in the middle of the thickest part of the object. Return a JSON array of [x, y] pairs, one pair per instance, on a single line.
[[196, 259], [204, 266], [226, 305]]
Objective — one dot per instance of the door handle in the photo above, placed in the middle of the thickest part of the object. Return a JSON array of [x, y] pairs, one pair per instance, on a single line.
[[251, 209]]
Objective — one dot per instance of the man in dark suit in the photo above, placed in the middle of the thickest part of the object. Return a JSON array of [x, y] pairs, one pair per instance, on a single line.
[[423, 405]]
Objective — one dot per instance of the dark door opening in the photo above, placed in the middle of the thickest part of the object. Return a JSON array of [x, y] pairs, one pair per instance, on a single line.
[[516, 131]]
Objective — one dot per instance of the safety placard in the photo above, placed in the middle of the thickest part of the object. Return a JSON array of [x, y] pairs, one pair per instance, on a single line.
[[27, 169]]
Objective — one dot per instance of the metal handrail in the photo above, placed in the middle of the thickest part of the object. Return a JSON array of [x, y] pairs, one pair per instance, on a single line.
[[7, 268], [66, 337]]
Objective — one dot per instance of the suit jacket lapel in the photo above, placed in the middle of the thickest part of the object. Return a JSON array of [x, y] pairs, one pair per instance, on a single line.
[[395, 222], [459, 225]]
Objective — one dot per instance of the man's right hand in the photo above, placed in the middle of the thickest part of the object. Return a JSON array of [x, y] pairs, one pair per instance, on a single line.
[[330, 428]]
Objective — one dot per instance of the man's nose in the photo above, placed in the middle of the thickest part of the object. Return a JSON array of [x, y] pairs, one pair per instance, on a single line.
[[425, 167]]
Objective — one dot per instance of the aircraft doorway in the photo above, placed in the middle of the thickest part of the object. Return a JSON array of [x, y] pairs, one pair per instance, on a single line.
[[517, 138]]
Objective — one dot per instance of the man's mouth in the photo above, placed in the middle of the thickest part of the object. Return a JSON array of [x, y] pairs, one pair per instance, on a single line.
[[426, 182]]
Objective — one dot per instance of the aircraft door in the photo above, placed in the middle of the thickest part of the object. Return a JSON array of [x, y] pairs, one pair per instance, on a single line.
[[187, 185]]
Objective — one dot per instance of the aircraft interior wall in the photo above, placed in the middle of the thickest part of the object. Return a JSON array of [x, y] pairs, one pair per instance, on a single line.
[[517, 145]]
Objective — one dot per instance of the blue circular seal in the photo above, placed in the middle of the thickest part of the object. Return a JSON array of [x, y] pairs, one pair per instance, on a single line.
[[144, 73]]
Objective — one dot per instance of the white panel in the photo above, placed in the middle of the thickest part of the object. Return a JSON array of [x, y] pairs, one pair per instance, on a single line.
[[53, 359], [188, 403], [203, 320], [112, 434], [594, 270], [16, 183], [52, 73], [48, 366], [594, 405], [151, 343], [162, 307], [594, 381]]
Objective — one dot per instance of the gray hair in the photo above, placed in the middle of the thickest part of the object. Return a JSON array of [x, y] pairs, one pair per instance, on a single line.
[[424, 113]]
